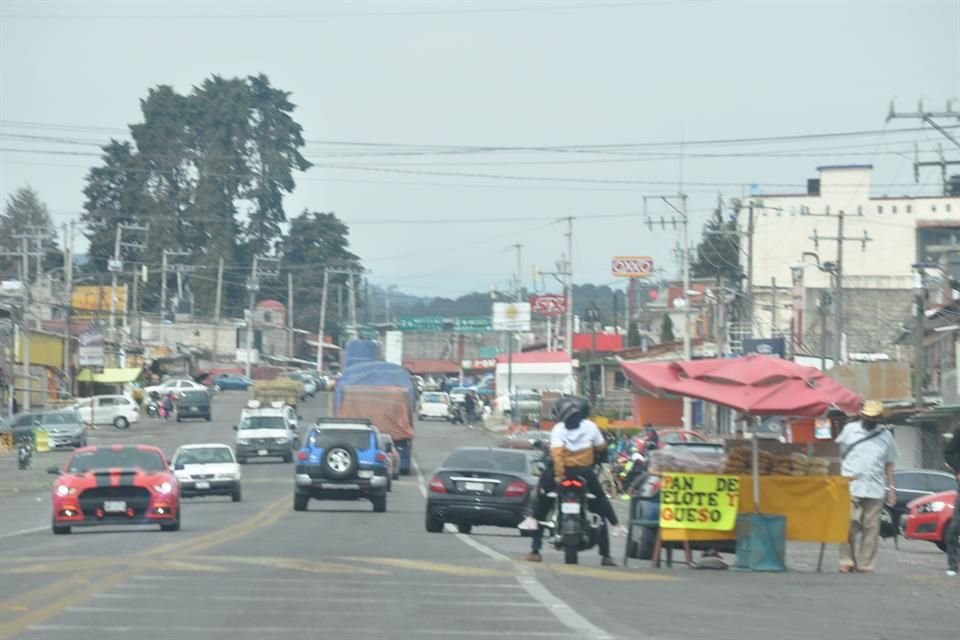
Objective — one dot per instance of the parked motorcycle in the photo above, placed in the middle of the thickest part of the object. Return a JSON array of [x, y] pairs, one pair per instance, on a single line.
[[575, 527], [24, 455]]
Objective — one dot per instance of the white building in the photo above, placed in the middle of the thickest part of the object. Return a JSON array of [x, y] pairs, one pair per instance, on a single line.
[[877, 273]]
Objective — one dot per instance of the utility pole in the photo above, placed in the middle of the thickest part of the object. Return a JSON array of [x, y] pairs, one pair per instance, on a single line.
[[838, 276], [263, 266], [290, 314], [323, 317], [68, 308], [919, 329], [116, 266], [569, 273], [352, 301], [164, 264], [217, 303]]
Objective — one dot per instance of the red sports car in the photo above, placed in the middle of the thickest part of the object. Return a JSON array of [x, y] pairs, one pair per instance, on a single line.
[[927, 517], [119, 484]]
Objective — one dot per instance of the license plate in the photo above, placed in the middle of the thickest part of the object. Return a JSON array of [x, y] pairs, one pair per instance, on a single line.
[[330, 485], [262, 452], [114, 506], [203, 485], [570, 507], [193, 408], [474, 486], [365, 473]]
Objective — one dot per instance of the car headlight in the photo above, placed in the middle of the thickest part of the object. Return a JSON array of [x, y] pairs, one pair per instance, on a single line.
[[228, 476], [937, 506], [64, 490], [163, 487], [242, 441], [282, 440]]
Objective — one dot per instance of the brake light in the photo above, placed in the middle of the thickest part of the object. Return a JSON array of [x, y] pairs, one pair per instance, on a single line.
[[302, 455], [515, 489], [571, 482], [436, 485], [381, 457]]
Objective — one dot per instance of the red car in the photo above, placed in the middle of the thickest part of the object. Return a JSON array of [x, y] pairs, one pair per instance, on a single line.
[[927, 517], [119, 484]]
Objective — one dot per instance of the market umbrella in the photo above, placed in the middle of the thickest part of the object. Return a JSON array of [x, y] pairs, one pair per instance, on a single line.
[[755, 385]]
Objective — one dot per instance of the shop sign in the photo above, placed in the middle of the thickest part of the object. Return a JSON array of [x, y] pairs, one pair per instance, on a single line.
[[549, 304], [511, 316], [90, 351], [699, 501], [631, 266], [482, 363]]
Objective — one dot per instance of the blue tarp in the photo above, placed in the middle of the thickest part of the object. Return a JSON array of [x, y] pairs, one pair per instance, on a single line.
[[357, 351], [375, 374]]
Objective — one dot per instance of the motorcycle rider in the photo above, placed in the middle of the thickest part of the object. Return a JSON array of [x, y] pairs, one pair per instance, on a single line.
[[574, 443]]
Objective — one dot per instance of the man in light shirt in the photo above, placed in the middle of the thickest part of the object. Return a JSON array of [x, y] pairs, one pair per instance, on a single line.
[[868, 451]]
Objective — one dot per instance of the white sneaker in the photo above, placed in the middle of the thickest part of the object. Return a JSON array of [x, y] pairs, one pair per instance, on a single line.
[[529, 524], [618, 531], [951, 573]]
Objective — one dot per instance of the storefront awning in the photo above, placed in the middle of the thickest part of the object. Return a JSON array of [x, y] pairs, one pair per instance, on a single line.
[[110, 376]]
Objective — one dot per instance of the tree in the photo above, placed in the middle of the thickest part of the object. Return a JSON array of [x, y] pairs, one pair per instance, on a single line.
[[25, 214], [666, 330], [718, 253], [633, 334]]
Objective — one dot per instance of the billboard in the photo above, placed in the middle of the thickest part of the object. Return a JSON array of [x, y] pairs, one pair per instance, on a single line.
[[631, 266], [511, 316], [89, 301], [90, 351], [393, 347], [549, 304]]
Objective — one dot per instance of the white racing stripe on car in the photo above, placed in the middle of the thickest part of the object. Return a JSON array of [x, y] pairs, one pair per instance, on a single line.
[[527, 577]]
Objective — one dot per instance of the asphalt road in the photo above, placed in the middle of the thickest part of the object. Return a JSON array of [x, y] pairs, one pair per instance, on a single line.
[[256, 569]]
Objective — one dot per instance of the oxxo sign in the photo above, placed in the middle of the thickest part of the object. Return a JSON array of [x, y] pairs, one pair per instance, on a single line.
[[631, 266], [699, 501], [548, 304]]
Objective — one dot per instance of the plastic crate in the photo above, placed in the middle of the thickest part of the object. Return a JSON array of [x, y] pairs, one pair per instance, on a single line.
[[761, 542]]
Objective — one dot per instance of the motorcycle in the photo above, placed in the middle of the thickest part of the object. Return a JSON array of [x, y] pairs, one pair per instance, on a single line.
[[24, 455], [458, 414], [574, 527]]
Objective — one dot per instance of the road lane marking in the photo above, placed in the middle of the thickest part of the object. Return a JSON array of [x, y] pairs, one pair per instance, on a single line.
[[436, 567], [311, 598], [527, 578], [182, 580], [295, 564], [23, 532]]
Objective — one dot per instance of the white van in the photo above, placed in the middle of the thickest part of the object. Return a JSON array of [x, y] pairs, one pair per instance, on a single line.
[[120, 411]]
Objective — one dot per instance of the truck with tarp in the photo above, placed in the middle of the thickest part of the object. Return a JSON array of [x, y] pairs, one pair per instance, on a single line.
[[383, 393]]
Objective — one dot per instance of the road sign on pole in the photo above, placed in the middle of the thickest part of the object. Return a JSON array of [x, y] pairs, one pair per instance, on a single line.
[[420, 323], [473, 324], [511, 316], [631, 266]]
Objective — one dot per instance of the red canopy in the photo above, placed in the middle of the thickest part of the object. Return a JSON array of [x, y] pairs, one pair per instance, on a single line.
[[755, 384]]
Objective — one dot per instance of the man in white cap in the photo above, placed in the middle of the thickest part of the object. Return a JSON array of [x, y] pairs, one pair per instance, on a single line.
[[868, 451]]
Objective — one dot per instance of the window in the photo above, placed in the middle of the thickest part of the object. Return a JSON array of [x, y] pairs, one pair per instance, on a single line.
[[879, 208], [894, 209], [938, 483], [909, 209], [947, 208], [105, 402]]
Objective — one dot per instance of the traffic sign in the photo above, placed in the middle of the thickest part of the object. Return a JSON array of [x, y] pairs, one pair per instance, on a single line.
[[420, 323], [631, 266], [473, 324], [549, 304]]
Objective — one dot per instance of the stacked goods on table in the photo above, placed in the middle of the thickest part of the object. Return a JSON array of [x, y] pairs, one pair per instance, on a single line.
[[686, 460], [793, 464], [740, 462]]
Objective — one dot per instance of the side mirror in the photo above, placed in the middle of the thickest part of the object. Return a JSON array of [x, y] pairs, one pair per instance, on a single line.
[[178, 467], [54, 471], [236, 427]]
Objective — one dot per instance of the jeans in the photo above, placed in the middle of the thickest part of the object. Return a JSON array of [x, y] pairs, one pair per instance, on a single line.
[[599, 505], [952, 536]]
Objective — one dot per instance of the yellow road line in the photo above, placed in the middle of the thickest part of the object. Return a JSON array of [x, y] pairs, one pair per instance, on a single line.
[[602, 574], [435, 567], [295, 564]]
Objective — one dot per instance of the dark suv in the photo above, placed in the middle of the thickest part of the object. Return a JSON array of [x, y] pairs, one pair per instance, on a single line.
[[341, 460], [193, 404]]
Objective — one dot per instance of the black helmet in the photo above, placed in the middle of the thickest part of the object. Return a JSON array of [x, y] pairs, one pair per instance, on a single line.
[[570, 410]]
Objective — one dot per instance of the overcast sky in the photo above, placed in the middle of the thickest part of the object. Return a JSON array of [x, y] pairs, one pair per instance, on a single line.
[[498, 74]]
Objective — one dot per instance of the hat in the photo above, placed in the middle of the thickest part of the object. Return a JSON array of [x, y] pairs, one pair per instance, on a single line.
[[871, 409]]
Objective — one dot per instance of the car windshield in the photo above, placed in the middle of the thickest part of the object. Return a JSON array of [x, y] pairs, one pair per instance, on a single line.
[[324, 438], [62, 417], [434, 397], [460, 390], [488, 459], [206, 455], [121, 458], [263, 422], [194, 396]]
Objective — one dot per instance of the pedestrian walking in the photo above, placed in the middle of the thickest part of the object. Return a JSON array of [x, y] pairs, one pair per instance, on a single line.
[[952, 533], [167, 406], [470, 405], [868, 451]]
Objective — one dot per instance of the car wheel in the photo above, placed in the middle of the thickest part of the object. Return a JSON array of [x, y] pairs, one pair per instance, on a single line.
[[120, 422], [237, 494], [173, 526], [60, 530], [300, 501], [941, 544], [288, 457], [241, 460], [379, 503], [339, 461], [464, 528], [209, 417]]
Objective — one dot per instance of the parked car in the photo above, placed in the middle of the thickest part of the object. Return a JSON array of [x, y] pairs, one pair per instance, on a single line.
[[393, 457], [673, 436], [341, 460], [145, 492], [927, 518], [482, 486], [457, 395], [231, 382], [20, 426], [193, 404], [175, 386], [118, 410], [65, 428], [434, 404], [207, 470], [912, 484]]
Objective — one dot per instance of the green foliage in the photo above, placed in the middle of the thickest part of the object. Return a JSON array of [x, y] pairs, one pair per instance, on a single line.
[[718, 254], [633, 334], [208, 172], [24, 210], [666, 330]]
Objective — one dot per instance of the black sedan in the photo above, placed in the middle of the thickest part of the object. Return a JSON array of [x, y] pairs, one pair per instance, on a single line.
[[482, 486]]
